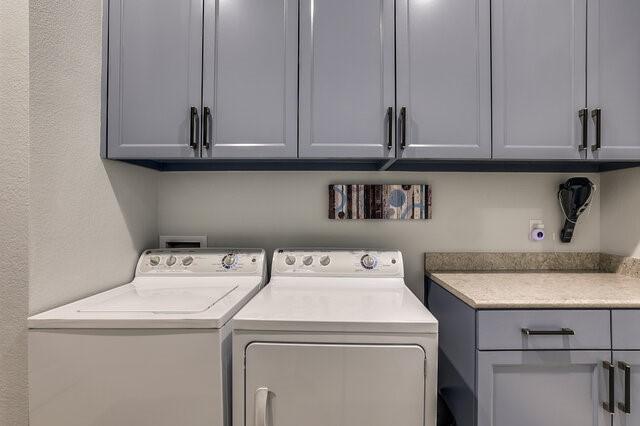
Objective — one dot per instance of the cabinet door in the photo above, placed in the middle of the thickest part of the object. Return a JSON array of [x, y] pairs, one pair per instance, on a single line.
[[541, 388], [444, 78], [614, 78], [347, 78], [539, 78], [324, 384], [627, 364], [155, 67], [250, 78]]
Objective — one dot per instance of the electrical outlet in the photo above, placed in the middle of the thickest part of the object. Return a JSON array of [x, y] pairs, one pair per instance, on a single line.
[[536, 230]]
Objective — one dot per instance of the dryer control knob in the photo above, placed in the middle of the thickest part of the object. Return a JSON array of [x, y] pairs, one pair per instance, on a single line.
[[325, 260], [290, 260], [154, 260], [368, 261], [307, 260], [229, 260], [187, 261], [171, 260]]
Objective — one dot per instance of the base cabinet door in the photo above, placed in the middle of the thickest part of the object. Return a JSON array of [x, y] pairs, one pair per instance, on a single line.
[[627, 393], [539, 79], [614, 79], [347, 79], [444, 79], [155, 68], [542, 388], [325, 384], [250, 80]]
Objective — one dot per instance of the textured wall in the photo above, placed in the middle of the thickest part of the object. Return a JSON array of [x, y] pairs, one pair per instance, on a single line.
[[89, 218], [620, 218], [471, 212], [14, 151]]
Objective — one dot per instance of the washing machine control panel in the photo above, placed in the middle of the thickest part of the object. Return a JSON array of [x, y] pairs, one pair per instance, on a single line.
[[201, 262], [361, 262]]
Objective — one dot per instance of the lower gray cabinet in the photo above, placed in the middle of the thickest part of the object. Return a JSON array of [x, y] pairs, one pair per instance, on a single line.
[[626, 359], [627, 392], [539, 388]]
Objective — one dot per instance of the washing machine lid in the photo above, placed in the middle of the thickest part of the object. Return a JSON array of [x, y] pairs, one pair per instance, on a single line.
[[160, 302], [336, 305], [186, 300]]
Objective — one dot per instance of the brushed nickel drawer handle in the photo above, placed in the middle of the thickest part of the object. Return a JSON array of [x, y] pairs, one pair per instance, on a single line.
[[561, 332]]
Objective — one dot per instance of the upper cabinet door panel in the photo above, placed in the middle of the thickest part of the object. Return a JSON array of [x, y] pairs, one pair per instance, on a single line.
[[539, 78], [614, 77], [444, 78], [251, 78], [346, 78], [155, 63]]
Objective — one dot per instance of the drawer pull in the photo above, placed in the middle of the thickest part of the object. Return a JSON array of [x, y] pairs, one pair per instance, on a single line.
[[561, 332], [626, 405]]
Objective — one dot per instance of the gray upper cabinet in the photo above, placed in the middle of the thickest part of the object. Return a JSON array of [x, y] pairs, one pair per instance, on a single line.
[[539, 78], [155, 63], [538, 388], [614, 79], [250, 81], [346, 79], [444, 78]]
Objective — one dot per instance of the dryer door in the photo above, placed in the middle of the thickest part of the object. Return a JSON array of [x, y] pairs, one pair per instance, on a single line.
[[334, 384]]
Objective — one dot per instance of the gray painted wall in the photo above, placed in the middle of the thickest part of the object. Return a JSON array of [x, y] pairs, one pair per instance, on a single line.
[[14, 150], [620, 225], [471, 212]]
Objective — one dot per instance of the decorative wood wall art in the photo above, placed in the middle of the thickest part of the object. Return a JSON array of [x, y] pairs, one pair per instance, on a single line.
[[395, 202]]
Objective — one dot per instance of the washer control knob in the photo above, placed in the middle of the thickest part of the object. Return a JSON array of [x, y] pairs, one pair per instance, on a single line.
[[229, 260], [290, 260], [154, 260], [171, 260], [187, 261], [307, 260], [368, 261], [325, 260]]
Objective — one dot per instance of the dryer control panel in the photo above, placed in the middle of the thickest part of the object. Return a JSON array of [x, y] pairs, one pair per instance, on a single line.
[[206, 261], [339, 263]]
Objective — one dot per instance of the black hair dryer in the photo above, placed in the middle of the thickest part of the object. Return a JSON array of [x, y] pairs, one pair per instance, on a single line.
[[575, 196]]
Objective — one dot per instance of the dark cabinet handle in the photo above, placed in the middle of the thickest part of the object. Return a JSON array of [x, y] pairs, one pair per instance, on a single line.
[[596, 115], [561, 332], [192, 128], [389, 128], [626, 406], [610, 406], [206, 114], [403, 127], [583, 113]]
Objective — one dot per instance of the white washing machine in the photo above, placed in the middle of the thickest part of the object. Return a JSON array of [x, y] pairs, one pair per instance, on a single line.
[[154, 352], [336, 338]]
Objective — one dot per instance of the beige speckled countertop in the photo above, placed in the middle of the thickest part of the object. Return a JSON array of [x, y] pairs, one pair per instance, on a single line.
[[504, 290]]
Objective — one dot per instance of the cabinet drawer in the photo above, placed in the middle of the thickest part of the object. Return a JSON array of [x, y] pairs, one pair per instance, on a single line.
[[548, 329], [624, 326]]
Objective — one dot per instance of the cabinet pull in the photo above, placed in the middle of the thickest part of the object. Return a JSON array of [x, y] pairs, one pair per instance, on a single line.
[[261, 401], [583, 113], [610, 406], [206, 113], [389, 128], [626, 406], [561, 332], [596, 115], [192, 128], [403, 127]]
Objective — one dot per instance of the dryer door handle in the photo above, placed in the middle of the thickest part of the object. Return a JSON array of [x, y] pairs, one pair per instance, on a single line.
[[261, 400]]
